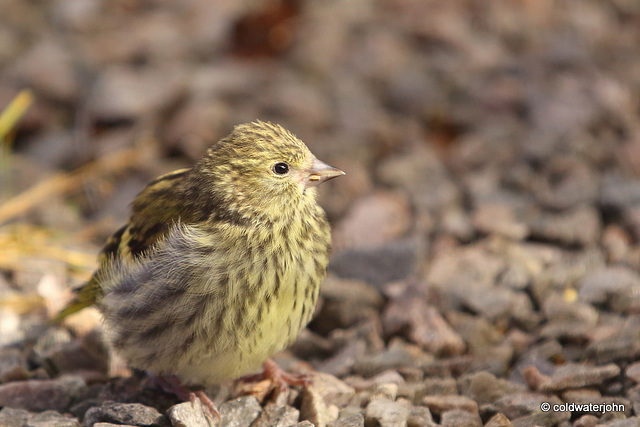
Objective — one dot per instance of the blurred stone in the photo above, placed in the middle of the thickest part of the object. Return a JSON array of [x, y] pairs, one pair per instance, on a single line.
[[40, 395], [619, 192], [241, 412], [125, 413], [389, 263], [277, 416], [410, 314], [346, 303], [616, 241], [439, 404], [574, 375], [48, 68], [196, 125], [10, 417], [397, 355], [387, 378], [580, 226], [344, 359], [314, 408], [484, 387], [373, 221], [605, 283], [355, 420], [385, 412], [498, 420], [457, 222], [568, 320], [421, 173], [188, 414], [460, 418], [88, 353], [332, 390], [420, 417], [586, 421], [387, 391], [126, 93], [567, 182], [633, 372], [621, 341], [13, 365], [500, 220], [517, 405]]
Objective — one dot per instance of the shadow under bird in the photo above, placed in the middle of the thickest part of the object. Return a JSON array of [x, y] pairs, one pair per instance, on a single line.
[[219, 266]]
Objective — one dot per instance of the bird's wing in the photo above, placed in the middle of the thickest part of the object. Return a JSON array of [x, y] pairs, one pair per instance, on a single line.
[[154, 211]]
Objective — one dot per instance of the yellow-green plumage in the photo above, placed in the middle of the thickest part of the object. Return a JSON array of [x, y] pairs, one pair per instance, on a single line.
[[220, 265]]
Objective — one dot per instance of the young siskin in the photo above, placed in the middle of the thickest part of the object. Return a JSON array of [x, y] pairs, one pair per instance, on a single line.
[[220, 265]]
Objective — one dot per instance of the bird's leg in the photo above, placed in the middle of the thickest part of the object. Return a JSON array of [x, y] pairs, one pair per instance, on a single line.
[[173, 385], [280, 378]]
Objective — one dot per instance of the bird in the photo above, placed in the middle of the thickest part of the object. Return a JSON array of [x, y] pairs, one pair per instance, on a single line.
[[219, 265]]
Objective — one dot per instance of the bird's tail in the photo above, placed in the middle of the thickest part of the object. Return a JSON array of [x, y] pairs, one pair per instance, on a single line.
[[85, 296]]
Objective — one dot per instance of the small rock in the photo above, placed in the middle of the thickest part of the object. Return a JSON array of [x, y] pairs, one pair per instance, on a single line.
[[385, 391], [332, 390], [188, 414], [633, 371], [498, 420], [441, 403], [440, 386], [567, 182], [601, 284], [49, 68], [517, 405], [354, 420], [620, 192], [378, 266], [39, 395], [580, 226], [383, 412], [124, 413], [277, 416], [501, 220], [314, 408], [373, 221], [123, 92], [303, 424], [460, 418], [388, 377], [346, 303], [574, 375], [618, 340], [484, 387], [419, 416], [10, 417], [586, 421], [342, 361], [13, 365], [240, 412], [397, 355], [410, 314]]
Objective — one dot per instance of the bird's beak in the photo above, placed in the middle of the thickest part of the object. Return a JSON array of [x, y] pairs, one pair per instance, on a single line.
[[320, 172]]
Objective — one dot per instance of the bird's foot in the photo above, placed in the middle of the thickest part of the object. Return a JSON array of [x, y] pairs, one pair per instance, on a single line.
[[173, 385], [278, 378], [281, 378]]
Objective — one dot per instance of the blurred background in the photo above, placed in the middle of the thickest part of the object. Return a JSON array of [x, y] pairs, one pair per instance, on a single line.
[[492, 151]]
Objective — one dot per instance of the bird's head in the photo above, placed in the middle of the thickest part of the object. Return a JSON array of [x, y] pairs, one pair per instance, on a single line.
[[262, 163]]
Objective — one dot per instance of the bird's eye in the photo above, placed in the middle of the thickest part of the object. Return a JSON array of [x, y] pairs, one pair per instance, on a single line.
[[281, 168]]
